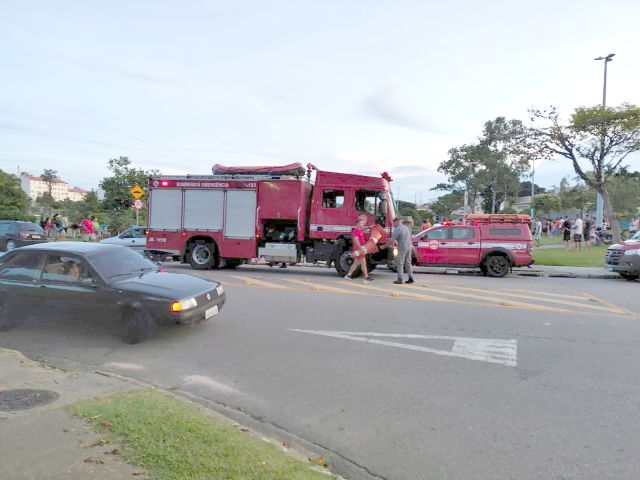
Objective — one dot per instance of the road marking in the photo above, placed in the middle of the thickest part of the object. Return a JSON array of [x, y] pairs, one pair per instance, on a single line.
[[560, 295], [395, 294], [327, 288], [633, 314], [208, 382], [491, 350], [255, 281], [500, 301], [124, 366], [548, 300]]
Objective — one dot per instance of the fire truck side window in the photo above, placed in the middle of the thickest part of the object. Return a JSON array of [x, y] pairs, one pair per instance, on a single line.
[[461, 233], [367, 201], [332, 198]]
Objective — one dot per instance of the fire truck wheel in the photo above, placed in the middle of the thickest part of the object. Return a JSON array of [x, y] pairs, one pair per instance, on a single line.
[[137, 325], [202, 256], [497, 265], [344, 264]]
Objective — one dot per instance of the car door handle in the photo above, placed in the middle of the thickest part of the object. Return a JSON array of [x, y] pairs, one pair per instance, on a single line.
[[443, 243], [470, 243]]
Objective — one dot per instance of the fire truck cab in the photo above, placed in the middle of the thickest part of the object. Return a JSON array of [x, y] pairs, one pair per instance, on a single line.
[[279, 214]]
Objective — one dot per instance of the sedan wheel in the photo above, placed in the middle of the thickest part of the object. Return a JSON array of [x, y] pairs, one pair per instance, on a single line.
[[137, 326], [629, 276]]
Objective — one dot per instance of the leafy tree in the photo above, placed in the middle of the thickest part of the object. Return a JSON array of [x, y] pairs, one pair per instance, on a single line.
[[49, 176], [525, 189], [46, 201], [546, 203], [447, 203], [124, 177], [14, 203], [596, 139], [491, 167]]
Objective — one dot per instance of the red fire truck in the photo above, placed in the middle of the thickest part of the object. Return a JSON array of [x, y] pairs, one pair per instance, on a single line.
[[278, 214], [491, 242]]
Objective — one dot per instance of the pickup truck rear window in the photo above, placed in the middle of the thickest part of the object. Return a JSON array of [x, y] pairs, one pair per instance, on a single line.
[[505, 231]]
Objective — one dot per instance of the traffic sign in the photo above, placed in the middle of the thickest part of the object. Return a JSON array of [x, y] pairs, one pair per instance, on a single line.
[[138, 204], [136, 191]]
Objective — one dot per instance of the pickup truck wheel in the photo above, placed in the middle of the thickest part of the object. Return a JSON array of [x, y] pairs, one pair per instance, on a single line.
[[137, 326], [497, 265], [203, 256], [7, 318], [629, 276]]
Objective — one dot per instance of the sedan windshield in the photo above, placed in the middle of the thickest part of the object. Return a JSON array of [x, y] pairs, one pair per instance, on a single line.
[[120, 262]]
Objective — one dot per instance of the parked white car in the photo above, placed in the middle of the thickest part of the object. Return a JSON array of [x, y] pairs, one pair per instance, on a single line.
[[134, 238]]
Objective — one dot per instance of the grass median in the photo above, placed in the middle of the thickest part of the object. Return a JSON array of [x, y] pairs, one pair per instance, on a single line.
[[570, 258], [172, 439]]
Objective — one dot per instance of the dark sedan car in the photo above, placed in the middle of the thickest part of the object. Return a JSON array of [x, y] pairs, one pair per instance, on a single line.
[[14, 234], [112, 281]]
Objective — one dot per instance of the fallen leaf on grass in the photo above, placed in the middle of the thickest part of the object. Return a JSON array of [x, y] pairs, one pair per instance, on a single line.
[[105, 423], [115, 451], [320, 460], [102, 441], [285, 445], [65, 430], [137, 474], [244, 429]]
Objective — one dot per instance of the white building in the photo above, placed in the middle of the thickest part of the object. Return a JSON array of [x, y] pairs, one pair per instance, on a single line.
[[35, 187]]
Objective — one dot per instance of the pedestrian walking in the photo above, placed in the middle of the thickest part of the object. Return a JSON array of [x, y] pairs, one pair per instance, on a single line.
[[537, 231], [634, 226], [566, 233], [86, 229], [577, 232], [586, 230], [401, 239], [359, 250], [554, 229]]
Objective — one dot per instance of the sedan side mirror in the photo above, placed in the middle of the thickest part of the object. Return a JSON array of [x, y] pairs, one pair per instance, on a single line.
[[88, 283]]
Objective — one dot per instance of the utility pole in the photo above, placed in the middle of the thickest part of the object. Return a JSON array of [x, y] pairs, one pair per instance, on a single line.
[[599, 200], [533, 183]]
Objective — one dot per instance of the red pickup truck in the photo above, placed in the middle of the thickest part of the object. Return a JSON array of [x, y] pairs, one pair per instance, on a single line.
[[492, 243]]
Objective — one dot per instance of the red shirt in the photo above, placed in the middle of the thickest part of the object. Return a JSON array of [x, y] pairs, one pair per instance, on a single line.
[[359, 234], [87, 226]]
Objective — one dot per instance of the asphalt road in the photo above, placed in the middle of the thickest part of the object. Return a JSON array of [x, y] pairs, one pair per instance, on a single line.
[[456, 377]]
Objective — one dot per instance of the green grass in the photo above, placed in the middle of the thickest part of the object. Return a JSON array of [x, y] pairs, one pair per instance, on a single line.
[[175, 440], [570, 258]]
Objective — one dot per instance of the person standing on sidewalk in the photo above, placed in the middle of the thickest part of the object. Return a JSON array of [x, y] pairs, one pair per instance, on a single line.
[[566, 233], [634, 226], [587, 232], [577, 232], [537, 231], [401, 238]]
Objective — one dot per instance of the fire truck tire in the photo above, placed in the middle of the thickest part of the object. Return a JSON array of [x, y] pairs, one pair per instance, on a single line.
[[497, 265], [343, 264], [203, 256], [137, 325]]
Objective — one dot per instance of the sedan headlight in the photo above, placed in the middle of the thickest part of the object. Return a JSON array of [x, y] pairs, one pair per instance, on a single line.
[[395, 252], [635, 251], [219, 290], [184, 305]]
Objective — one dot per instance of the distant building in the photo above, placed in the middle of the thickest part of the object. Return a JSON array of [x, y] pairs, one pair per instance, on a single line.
[[35, 187]]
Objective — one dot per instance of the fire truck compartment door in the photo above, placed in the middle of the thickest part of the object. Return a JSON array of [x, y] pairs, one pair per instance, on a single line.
[[240, 214], [203, 209], [166, 209]]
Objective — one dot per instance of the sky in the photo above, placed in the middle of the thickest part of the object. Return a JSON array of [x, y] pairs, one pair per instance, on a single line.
[[359, 86]]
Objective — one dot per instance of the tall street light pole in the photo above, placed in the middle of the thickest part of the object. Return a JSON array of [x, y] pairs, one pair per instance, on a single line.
[[599, 201]]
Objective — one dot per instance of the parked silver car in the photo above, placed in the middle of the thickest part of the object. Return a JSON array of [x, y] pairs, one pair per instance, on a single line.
[[134, 238]]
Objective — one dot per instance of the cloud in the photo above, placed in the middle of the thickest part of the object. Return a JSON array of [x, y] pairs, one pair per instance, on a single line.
[[385, 107]]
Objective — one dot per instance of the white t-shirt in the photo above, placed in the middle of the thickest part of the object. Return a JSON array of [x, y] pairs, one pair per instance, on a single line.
[[577, 227]]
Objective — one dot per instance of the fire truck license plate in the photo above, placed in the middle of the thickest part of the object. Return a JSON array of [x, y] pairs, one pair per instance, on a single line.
[[210, 312]]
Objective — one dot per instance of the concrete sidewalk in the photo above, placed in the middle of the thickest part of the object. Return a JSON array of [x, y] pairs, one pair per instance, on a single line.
[[44, 441]]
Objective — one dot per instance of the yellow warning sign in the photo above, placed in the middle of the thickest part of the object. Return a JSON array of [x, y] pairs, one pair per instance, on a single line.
[[136, 191]]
